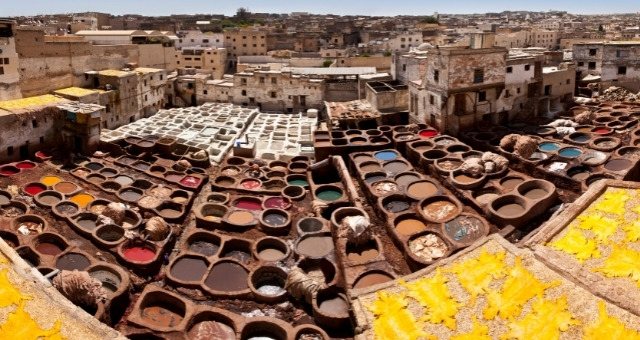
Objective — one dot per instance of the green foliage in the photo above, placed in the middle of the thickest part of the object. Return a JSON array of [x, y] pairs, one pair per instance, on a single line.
[[327, 63], [429, 20]]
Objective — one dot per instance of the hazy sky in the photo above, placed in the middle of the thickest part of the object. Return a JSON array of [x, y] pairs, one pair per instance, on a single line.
[[369, 7]]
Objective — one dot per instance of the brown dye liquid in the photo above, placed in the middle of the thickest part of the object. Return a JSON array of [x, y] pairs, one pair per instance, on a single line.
[[130, 196], [486, 198], [465, 179], [227, 277], [422, 189], [271, 254], [241, 217], [618, 164], [371, 279], [189, 269], [123, 180], [336, 306], [410, 226], [87, 224], [580, 176], [207, 330], [203, 247], [72, 261], [440, 211], [362, 256], [66, 187], [47, 248], [405, 180], [511, 209], [315, 246], [170, 213], [370, 167], [160, 316], [511, 183], [536, 193], [47, 199], [395, 167]]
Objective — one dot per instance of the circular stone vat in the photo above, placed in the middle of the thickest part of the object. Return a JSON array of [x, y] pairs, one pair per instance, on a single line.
[[458, 148], [170, 211], [110, 278], [49, 244], [227, 276], [618, 164], [48, 198], [396, 167], [50, 180], [123, 180], [25, 165], [486, 195], [548, 147], [601, 130], [204, 243], [130, 194], [395, 203], [10, 238], [263, 330], [362, 157], [225, 181], [363, 253], [427, 247], [66, 188], [579, 173], [211, 214], [267, 283], [629, 151], [66, 209], [372, 278], [108, 172], [275, 221], [606, 143], [428, 133], [110, 234], [406, 178], [96, 179], [369, 166], [509, 207], [536, 189], [28, 224], [384, 187], [408, 224], [386, 155], [210, 324], [34, 188], [218, 197], [248, 203], [375, 176], [242, 218], [432, 155], [297, 180], [448, 164], [277, 202], [140, 253], [250, 184], [510, 182], [9, 170], [439, 209], [315, 245], [94, 166], [329, 193], [271, 249], [595, 178], [71, 261], [594, 158], [465, 229], [188, 268], [579, 137], [82, 199], [309, 225], [464, 181], [86, 221]]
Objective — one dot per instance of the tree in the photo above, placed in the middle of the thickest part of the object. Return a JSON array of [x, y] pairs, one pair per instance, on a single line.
[[429, 20], [243, 14]]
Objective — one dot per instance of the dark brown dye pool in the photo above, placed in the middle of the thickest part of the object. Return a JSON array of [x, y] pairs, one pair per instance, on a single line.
[[48, 248], [618, 164], [160, 316], [189, 269], [315, 246], [396, 206], [72, 261], [130, 195], [227, 277], [203, 247], [335, 306], [66, 209]]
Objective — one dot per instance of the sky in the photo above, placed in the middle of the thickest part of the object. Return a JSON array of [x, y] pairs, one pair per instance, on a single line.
[[362, 7]]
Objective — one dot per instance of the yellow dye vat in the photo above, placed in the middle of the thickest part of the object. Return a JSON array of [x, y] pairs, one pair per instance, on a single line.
[[82, 199], [50, 180]]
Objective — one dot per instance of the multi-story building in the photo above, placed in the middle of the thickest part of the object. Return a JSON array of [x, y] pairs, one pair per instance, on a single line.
[[211, 60], [9, 76], [407, 67], [243, 42], [615, 62], [544, 38], [195, 38]]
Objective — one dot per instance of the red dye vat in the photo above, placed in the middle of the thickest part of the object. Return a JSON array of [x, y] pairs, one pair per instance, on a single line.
[[428, 133], [248, 204], [190, 181], [250, 184], [41, 154], [33, 189], [601, 131], [25, 165], [139, 254], [277, 202], [8, 171]]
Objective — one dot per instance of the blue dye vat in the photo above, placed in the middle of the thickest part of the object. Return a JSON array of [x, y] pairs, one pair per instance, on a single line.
[[386, 155], [548, 147], [570, 152]]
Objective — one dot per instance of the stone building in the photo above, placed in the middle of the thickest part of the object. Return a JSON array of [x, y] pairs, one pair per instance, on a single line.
[[212, 60], [47, 122], [242, 42], [407, 67], [195, 38], [9, 76], [615, 62]]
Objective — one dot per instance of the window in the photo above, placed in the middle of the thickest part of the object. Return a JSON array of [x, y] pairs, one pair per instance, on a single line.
[[432, 100], [145, 97], [273, 94], [592, 65], [6, 61], [1, 70], [243, 81], [205, 92], [527, 67], [581, 63], [41, 140], [10, 150], [404, 67], [510, 69], [518, 90], [507, 94], [568, 81], [622, 70], [436, 75], [34, 123], [478, 76], [244, 92], [593, 51], [274, 80], [205, 41], [482, 96], [622, 53], [261, 80]]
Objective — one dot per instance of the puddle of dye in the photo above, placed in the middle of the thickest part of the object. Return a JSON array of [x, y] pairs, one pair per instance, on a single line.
[[428, 133], [139, 254], [33, 189], [570, 152], [298, 182], [601, 131], [271, 254], [329, 195], [250, 184], [397, 206], [580, 138], [315, 246], [111, 234], [87, 224], [8, 171], [130, 195], [170, 213], [421, 190], [536, 193], [465, 179], [72, 261], [48, 248], [123, 180], [275, 219], [82, 200], [211, 330], [510, 209], [161, 317], [395, 167], [277, 202], [374, 179], [618, 164], [386, 155], [335, 306], [50, 180], [241, 217], [370, 167], [190, 181], [410, 226], [66, 209], [227, 277], [65, 187], [464, 229], [189, 269], [362, 256], [511, 183], [548, 147], [440, 211], [25, 165], [203, 247], [371, 279]]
